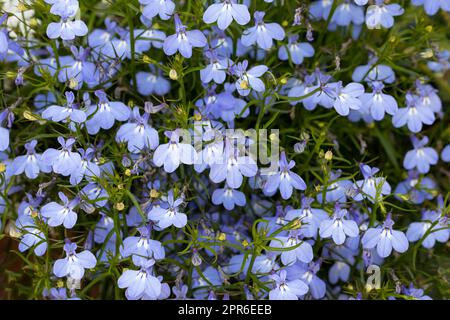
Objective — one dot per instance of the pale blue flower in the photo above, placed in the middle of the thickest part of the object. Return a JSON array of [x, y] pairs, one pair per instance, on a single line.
[[384, 238], [382, 15], [229, 197], [420, 157], [433, 225], [262, 33], [105, 113], [338, 226], [414, 115], [347, 97], [371, 188], [138, 133], [74, 264], [249, 80], [232, 168], [287, 290], [171, 154], [168, 213], [432, 6], [296, 248], [31, 163], [58, 214], [295, 51], [225, 12], [373, 71], [152, 8], [87, 169], [284, 179], [445, 155], [62, 161], [378, 103], [183, 40], [308, 274], [216, 69], [66, 29], [310, 218], [70, 111], [142, 248]]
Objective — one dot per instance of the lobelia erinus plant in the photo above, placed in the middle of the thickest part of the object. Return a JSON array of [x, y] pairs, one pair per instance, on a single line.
[[227, 149]]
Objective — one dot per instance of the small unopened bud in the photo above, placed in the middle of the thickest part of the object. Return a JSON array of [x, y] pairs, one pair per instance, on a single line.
[[429, 28], [2, 167], [73, 83], [154, 193], [222, 236], [328, 155], [128, 172], [173, 74], [120, 206], [245, 243], [146, 59], [196, 260]]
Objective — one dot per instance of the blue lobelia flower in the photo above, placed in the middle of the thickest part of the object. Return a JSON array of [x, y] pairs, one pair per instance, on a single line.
[[62, 161], [414, 115], [337, 189], [32, 236], [416, 294], [445, 154], [153, 82], [420, 157], [432, 6], [58, 214], [346, 98], [167, 213], [442, 64], [377, 102], [310, 218], [69, 111], [262, 33], [308, 274], [216, 69], [183, 40], [296, 248], [67, 28], [382, 15], [373, 71], [371, 188], [152, 8], [171, 154], [432, 227], [229, 197], [287, 290], [284, 179], [427, 97], [361, 2], [249, 80], [73, 264], [384, 238], [232, 167], [103, 114], [88, 168], [225, 12], [142, 248], [338, 226], [6, 116], [295, 51], [138, 133], [78, 69], [415, 188], [31, 163], [347, 13], [140, 282], [63, 7]]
